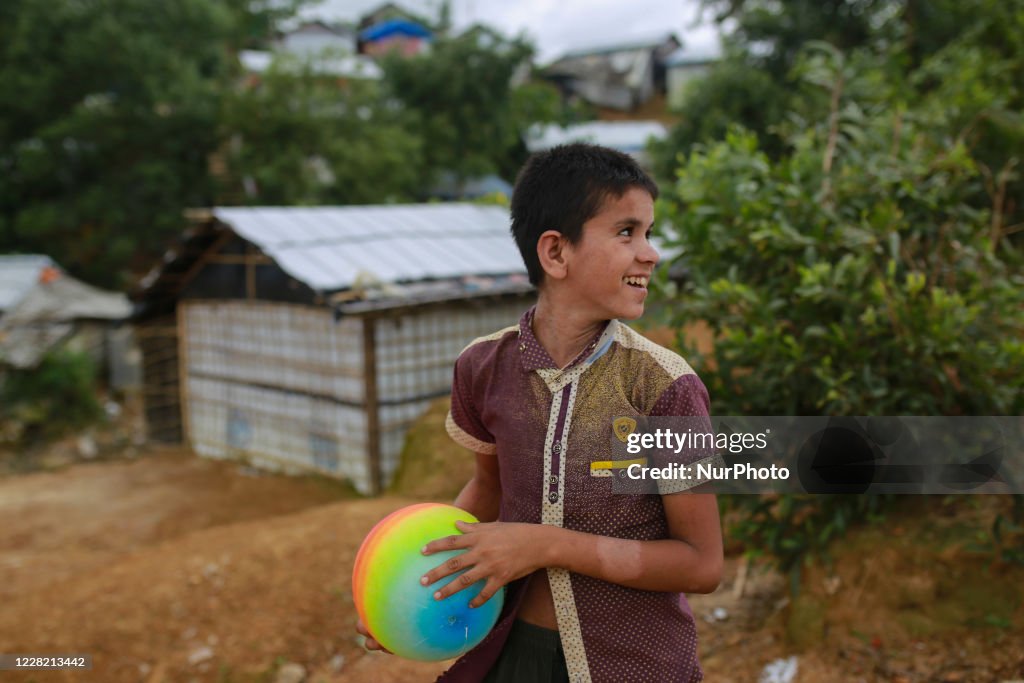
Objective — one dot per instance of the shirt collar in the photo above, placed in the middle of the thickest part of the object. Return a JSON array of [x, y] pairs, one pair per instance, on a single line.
[[535, 357]]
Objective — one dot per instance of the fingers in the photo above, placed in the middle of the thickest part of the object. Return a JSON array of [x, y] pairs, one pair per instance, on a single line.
[[450, 566], [466, 580], [490, 588], [370, 643], [453, 542], [460, 582], [467, 563]]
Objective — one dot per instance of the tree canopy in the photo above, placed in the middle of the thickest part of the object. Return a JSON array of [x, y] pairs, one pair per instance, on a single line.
[[470, 119], [109, 110], [754, 84], [305, 137], [116, 115]]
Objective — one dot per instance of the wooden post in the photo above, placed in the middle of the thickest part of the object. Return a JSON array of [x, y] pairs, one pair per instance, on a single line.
[[250, 272], [186, 420], [372, 407]]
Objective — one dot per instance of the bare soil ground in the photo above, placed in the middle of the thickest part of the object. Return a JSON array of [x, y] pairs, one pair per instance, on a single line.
[[171, 568]]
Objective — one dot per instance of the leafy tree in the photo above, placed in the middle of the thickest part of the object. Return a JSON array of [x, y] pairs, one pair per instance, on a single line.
[[258, 21], [734, 92], [108, 111], [753, 85], [304, 137], [775, 31], [467, 110], [112, 111]]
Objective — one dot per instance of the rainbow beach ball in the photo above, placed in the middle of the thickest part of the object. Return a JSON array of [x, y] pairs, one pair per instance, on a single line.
[[402, 614]]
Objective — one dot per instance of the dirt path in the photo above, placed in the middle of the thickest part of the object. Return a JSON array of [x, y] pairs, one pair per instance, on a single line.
[[61, 524], [173, 568]]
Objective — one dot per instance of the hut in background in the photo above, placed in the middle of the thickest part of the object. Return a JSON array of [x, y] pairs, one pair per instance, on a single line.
[[309, 339], [43, 309], [620, 77], [630, 137]]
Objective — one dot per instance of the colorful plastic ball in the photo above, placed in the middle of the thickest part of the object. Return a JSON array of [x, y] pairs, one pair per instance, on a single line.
[[401, 613]]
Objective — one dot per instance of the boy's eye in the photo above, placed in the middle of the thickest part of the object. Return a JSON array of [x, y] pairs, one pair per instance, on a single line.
[[629, 232]]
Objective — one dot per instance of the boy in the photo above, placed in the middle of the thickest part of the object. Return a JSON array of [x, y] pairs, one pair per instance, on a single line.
[[593, 577]]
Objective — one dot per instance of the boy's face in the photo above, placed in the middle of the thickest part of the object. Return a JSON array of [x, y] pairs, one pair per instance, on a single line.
[[610, 268]]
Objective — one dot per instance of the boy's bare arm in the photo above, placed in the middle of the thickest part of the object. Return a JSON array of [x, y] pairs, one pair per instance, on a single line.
[[688, 562], [481, 496]]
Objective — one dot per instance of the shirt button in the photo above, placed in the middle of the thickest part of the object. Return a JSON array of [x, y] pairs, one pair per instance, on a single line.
[[522, 347], [552, 480], [556, 448], [553, 497]]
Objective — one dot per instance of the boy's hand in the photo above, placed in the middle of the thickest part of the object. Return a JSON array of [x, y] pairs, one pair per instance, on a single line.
[[371, 643], [496, 552]]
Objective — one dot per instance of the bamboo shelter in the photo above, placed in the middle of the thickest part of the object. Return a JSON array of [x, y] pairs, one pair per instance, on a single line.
[[309, 339]]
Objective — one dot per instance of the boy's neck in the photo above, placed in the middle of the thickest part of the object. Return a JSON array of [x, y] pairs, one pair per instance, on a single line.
[[563, 331]]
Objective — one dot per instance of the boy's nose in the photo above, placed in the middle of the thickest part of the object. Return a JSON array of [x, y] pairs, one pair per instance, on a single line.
[[649, 254]]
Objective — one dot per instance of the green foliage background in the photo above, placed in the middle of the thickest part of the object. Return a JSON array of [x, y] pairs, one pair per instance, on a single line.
[[854, 243], [108, 111], [872, 263], [301, 138], [116, 115]]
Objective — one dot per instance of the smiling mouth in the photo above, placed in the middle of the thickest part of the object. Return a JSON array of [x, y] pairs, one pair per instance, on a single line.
[[638, 281]]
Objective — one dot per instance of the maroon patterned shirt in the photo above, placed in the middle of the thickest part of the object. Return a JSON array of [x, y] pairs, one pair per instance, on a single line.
[[550, 429]]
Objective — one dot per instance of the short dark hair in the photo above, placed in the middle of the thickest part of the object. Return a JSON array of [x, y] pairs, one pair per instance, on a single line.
[[564, 187]]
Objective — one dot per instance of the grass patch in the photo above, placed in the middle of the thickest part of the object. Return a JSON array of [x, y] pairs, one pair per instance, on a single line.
[[432, 465]]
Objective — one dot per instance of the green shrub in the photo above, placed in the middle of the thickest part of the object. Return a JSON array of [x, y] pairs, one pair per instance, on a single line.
[[55, 397], [862, 273], [855, 275]]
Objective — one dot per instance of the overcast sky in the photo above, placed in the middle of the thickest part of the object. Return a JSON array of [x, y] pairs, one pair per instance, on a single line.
[[557, 26]]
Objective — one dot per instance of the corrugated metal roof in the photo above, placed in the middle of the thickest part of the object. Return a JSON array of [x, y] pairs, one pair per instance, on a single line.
[[702, 54], [335, 247], [648, 42], [351, 66], [61, 297], [18, 275], [625, 136], [39, 304]]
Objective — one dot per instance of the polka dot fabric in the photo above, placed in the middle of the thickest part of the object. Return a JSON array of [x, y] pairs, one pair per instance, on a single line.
[[547, 426]]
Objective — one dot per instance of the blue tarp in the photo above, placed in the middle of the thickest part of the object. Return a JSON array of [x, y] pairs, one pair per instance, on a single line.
[[394, 27]]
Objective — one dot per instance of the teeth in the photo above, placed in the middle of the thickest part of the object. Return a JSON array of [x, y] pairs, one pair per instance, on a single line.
[[636, 280]]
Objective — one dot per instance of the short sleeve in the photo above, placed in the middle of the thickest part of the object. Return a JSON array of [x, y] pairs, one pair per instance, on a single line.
[[463, 423], [687, 400], [685, 396]]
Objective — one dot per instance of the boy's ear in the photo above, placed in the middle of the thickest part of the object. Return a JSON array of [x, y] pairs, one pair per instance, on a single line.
[[551, 250]]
